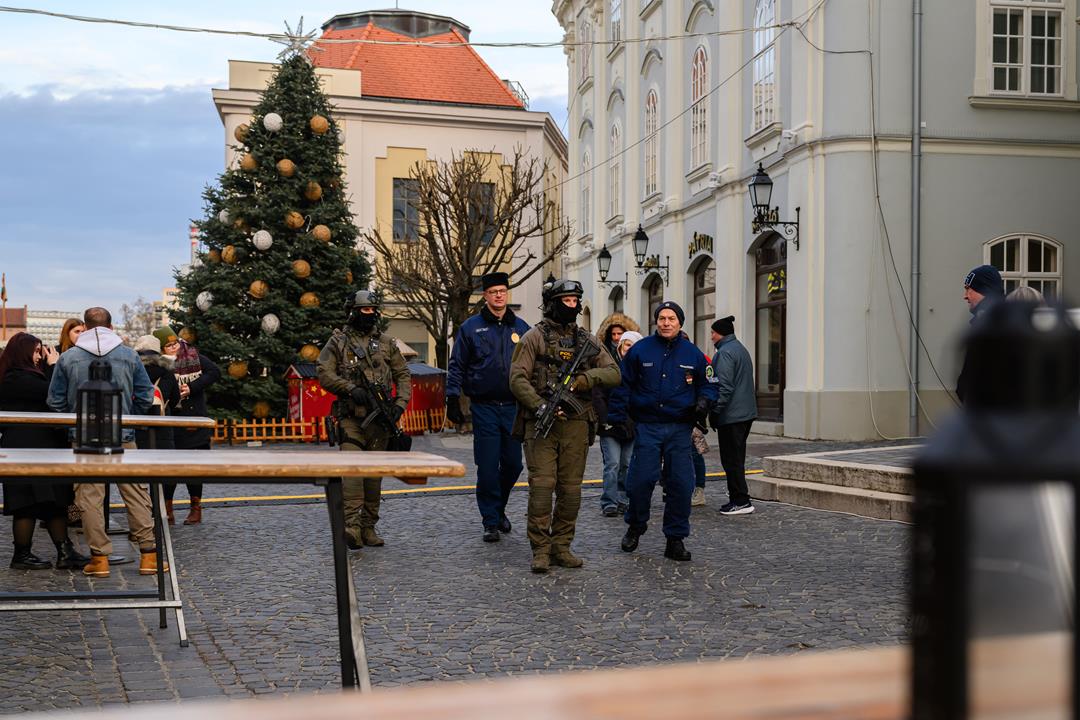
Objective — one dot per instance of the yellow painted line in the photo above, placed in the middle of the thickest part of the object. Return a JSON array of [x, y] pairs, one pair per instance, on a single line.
[[403, 491]]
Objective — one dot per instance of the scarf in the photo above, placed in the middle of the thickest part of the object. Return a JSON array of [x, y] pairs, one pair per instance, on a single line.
[[187, 367]]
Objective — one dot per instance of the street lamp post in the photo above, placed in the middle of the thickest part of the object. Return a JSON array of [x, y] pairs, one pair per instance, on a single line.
[[766, 216], [648, 263], [603, 262]]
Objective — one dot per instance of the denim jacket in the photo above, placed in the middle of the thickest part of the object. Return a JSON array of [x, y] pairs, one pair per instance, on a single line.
[[128, 373]]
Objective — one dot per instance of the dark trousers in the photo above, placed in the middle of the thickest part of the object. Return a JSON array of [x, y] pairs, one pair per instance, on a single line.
[[497, 456], [656, 446], [194, 489], [732, 440]]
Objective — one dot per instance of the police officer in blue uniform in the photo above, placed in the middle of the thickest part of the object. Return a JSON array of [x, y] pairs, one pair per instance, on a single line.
[[480, 368], [670, 390]]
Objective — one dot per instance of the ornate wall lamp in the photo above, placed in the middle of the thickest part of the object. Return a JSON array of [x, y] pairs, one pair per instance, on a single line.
[[766, 216]]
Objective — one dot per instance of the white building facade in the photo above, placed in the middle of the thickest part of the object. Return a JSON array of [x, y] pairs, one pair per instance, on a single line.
[[671, 118]]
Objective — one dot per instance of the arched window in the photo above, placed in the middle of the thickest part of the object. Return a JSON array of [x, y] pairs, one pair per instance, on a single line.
[[764, 87], [615, 172], [1027, 260], [652, 142], [586, 49], [617, 298], [654, 295], [704, 304], [699, 112], [586, 194], [616, 20]]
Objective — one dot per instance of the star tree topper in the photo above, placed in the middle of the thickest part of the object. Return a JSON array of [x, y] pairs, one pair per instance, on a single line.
[[296, 42]]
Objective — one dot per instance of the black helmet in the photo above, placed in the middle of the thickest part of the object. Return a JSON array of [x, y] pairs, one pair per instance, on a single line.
[[562, 288], [364, 298]]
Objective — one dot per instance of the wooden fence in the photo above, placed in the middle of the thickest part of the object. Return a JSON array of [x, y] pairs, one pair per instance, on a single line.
[[311, 430]]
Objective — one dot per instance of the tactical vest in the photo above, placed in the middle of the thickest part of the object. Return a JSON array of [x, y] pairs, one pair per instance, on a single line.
[[557, 350], [368, 355]]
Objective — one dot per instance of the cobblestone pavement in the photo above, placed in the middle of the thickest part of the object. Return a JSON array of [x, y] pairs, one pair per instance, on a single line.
[[440, 604]]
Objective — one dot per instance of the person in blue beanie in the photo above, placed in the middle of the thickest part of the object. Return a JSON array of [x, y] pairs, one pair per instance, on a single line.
[[983, 287], [670, 392]]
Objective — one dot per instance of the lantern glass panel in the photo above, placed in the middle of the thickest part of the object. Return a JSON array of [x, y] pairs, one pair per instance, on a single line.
[[1021, 573]]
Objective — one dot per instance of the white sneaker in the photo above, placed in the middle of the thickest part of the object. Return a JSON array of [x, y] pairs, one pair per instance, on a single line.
[[698, 498]]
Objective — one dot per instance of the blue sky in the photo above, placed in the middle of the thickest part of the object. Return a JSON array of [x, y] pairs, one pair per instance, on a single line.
[[108, 134]]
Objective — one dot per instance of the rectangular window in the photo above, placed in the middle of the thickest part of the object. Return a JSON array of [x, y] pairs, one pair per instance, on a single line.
[[651, 143], [1026, 47], [585, 48], [616, 21], [406, 216], [482, 211], [764, 70]]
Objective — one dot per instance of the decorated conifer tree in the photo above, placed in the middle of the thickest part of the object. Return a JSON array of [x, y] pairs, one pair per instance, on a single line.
[[280, 254]]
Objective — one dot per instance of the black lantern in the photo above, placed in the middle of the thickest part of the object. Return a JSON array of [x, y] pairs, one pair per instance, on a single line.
[[603, 265], [995, 539], [98, 410], [761, 191], [641, 245], [766, 216], [651, 263]]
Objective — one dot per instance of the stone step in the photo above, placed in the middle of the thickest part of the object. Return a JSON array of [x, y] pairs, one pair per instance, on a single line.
[[823, 496], [831, 469]]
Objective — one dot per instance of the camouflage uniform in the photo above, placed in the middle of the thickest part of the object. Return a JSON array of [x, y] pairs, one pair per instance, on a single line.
[[347, 353], [556, 463]]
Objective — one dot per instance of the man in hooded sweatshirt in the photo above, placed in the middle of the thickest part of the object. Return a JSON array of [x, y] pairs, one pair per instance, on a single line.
[[99, 342]]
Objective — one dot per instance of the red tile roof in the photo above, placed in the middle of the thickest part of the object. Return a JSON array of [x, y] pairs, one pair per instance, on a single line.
[[415, 72]]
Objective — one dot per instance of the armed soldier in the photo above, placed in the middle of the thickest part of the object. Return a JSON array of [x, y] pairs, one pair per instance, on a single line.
[[358, 364], [553, 370]]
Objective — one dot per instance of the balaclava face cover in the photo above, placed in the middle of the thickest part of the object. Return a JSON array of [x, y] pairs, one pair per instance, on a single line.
[[564, 314], [364, 322]]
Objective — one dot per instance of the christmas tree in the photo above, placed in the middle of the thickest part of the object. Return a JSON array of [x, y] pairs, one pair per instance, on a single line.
[[280, 253]]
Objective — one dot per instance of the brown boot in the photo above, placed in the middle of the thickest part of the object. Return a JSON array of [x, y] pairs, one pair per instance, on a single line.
[[169, 512], [98, 566], [541, 561], [194, 516], [148, 563], [370, 537], [564, 558]]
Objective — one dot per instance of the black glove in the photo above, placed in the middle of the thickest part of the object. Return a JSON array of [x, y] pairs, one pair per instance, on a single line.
[[714, 421], [396, 411], [453, 410], [701, 411], [360, 396]]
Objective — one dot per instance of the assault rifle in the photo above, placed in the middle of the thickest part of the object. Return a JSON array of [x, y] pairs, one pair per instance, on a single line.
[[558, 390], [379, 409]]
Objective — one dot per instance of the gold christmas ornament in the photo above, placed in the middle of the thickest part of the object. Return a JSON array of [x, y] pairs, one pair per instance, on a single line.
[[214, 256], [301, 268], [313, 191], [237, 369], [348, 277], [321, 233], [260, 409], [258, 289], [294, 220], [187, 335], [217, 327], [240, 224], [309, 300], [309, 352], [228, 254], [248, 163], [319, 124], [240, 133], [286, 167]]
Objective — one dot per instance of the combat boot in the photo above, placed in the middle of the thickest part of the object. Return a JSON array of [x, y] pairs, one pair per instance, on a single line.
[[675, 550], [352, 539], [564, 558], [630, 539], [541, 561], [370, 537]]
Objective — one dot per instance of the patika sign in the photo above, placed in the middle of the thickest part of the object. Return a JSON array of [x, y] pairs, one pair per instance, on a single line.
[[701, 243]]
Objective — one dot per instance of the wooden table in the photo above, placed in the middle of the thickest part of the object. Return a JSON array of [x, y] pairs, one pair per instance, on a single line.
[[245, 467]]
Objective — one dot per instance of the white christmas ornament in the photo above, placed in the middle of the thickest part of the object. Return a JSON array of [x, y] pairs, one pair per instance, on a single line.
[[223, 217], [272, 122], [205, 300], [270, 323], [262, 240]]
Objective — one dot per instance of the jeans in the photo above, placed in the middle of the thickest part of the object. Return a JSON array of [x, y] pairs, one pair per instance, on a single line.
[[660, 445], [616, 455], [732, 440], [497, 456]]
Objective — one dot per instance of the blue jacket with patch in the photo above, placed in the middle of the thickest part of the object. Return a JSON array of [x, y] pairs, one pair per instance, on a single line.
[[665, 378], [480, 362]]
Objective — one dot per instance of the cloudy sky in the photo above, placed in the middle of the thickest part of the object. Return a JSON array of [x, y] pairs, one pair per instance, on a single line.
[[108, 134]]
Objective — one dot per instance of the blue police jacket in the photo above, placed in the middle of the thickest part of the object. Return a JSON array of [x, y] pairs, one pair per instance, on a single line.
[[480, 362], [665, 379]]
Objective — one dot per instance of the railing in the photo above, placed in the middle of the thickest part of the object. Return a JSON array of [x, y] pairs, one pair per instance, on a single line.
[[312, 430]]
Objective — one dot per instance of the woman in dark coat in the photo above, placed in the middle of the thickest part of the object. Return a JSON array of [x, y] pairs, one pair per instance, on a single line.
[[25, 370], [166, 400]]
